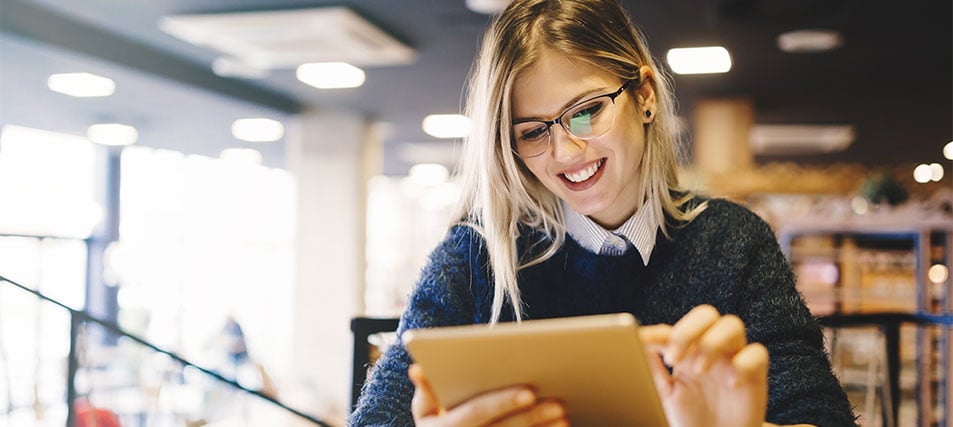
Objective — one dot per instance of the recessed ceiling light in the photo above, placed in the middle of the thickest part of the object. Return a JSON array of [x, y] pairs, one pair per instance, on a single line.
[[948, 150], [330, 75], [806, 41], [446, 125], [81, 85], [487, 7], [258, 130], [699, 60], [112, 134]]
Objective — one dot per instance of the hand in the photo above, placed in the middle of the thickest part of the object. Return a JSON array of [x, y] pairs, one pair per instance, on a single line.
[[717, 378], [508, 407]]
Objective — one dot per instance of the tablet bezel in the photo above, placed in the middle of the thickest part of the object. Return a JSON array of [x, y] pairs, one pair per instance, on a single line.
[[594, 364]]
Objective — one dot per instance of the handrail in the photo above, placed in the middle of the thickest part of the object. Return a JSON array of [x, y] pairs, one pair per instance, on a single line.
[[78, 316]]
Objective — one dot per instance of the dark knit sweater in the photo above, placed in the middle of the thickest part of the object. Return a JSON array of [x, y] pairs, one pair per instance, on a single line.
[[726, 257]]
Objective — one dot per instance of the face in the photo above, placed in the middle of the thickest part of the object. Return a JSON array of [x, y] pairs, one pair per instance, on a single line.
[[597, 177]]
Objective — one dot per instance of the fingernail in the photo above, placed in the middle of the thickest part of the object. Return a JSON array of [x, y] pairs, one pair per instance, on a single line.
[[525, 397], [669, 358]]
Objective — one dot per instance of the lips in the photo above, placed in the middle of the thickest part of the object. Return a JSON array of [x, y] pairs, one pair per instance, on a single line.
[[584, 178]]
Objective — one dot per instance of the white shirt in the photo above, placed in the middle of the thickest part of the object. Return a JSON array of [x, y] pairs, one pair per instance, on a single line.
[[640, 229]]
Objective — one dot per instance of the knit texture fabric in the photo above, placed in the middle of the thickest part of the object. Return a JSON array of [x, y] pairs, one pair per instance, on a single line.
[[727, 257]]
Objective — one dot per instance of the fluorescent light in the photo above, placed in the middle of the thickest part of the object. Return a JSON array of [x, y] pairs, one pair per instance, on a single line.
[[948, 150], [805, 41], [112, 134], [81, 85], [330, 75], [447, 125], [923, 174], [699, 60], [241, 155], [800, 139], [258, 130]]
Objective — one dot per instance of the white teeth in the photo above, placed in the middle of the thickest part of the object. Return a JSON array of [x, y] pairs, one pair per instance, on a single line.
[[585, 173]]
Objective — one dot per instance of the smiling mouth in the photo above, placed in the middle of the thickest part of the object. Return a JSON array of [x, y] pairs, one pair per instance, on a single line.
[[585, 174]]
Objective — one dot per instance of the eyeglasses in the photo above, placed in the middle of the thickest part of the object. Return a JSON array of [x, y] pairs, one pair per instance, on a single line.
[[587, 119]]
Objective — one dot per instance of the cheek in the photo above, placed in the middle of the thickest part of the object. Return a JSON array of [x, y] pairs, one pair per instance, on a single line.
[[536, 168]]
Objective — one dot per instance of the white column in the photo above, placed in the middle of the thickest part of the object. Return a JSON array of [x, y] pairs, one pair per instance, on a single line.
[[326, 153]]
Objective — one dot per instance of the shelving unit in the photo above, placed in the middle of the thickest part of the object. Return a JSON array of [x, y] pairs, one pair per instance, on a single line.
[[875, 267]]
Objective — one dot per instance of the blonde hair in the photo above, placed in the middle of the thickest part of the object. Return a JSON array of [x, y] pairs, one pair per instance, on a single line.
[[499, 192]]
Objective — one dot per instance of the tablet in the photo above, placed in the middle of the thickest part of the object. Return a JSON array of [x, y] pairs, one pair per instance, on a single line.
[[594, 364]]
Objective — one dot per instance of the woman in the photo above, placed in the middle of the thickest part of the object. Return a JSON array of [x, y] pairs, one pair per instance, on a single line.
[[574, 135]]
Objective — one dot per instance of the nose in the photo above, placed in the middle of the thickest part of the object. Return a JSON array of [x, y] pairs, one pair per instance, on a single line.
[[565, 146]]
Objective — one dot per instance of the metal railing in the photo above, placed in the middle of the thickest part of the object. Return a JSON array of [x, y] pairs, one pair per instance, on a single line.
[[78, 320]]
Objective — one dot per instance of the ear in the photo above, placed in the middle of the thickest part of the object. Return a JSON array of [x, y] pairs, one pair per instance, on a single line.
[[645, 94]]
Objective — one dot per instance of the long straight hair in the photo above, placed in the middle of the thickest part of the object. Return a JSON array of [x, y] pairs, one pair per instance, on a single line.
[[498, 192]]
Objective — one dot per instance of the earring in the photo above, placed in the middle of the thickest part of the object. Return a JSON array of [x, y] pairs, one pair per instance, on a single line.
[[648, 114]]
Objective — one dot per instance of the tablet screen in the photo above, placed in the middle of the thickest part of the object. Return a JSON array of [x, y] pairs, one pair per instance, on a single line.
[[595, 365]]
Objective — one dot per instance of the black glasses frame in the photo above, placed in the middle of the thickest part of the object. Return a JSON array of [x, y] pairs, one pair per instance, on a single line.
[[559, 119]]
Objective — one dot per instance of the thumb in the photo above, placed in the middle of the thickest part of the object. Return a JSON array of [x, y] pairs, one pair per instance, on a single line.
[[424, 402]]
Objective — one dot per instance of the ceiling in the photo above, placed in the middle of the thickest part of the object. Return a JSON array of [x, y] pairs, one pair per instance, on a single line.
[[892, 79]]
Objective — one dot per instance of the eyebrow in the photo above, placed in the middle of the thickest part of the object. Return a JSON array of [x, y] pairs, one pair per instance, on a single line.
[[570, 103]]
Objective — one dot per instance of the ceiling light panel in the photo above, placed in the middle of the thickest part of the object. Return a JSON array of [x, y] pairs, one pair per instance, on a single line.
[[257, 130], [287, 38], [114, 134], [330, 75], [446, 125], [699, 60], [81, 85]]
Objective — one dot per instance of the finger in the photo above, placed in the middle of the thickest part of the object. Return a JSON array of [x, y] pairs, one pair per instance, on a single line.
[[542, 413], [723, 339], [660, 375], [490, 406], [557, 423], [750, 365], [655, 337], [424, 402], [686, 332]]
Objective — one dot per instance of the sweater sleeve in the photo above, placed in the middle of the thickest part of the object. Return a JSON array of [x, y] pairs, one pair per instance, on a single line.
[[802, 387], [443, 297]]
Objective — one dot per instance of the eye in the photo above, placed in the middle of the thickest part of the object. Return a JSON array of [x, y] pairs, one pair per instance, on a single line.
[[531, 132], [590, 109]]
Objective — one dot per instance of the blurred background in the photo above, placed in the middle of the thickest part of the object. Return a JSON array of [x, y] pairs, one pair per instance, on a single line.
[[232, 184]]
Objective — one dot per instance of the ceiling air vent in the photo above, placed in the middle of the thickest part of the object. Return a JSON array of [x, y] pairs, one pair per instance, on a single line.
[[287, 38]]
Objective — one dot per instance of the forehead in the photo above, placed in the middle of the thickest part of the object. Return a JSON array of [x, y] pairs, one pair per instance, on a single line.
[[544, 88]]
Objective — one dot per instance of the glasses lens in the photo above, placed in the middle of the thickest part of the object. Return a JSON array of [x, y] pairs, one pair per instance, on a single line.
[[531, 138], [589, 119]]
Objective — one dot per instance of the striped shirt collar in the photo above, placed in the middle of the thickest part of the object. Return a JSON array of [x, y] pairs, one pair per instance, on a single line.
[[640, 229]]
